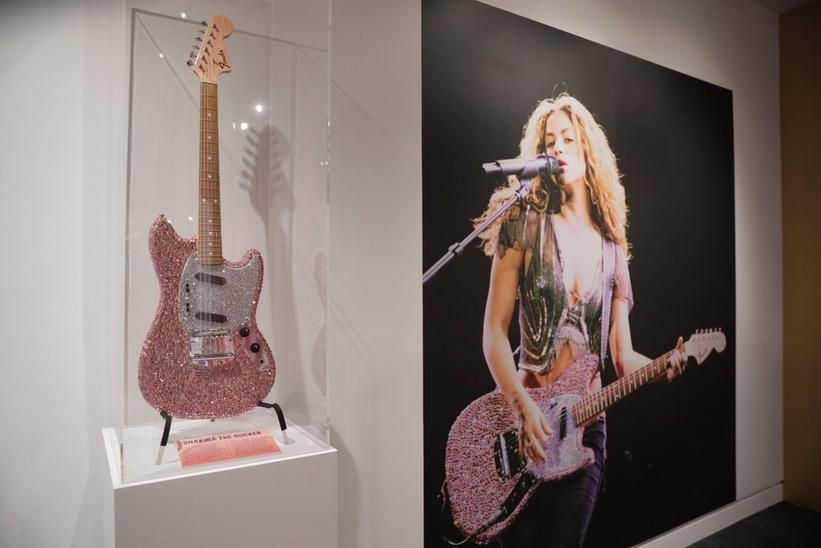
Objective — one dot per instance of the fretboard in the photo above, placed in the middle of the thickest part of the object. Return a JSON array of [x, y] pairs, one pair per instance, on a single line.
[[614, 392], [209, 233]]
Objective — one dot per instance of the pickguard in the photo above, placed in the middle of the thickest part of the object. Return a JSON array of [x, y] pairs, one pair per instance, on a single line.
[[217, 298]]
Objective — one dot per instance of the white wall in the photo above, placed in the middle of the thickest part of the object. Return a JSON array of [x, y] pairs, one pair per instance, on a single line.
[[62, 214], [376, 228], [375, 328]]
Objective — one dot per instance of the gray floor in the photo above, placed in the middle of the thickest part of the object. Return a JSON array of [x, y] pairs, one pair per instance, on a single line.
[[781, 525]]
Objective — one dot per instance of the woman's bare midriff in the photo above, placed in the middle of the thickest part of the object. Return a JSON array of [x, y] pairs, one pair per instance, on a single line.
[[563, 360]]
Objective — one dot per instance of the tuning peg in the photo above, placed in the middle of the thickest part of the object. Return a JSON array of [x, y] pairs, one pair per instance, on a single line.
[[190, 63], [203, 23], [193, 54], [198, 39]]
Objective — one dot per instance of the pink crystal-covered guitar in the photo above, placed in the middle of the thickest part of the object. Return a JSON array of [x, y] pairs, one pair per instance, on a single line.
[[204, 356], [489, 483]]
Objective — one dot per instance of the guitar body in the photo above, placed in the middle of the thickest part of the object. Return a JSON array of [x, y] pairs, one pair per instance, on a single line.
[[204, 356], [483, 466], [488, 483]]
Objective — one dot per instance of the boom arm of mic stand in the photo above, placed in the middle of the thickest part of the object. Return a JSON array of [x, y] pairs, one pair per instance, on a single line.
[[457, 248]]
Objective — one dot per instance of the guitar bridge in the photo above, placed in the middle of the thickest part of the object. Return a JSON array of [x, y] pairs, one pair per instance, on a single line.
[[211, 345], [506, 454]]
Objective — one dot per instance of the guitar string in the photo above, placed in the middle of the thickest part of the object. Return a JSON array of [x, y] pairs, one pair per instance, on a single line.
[[598, 402]]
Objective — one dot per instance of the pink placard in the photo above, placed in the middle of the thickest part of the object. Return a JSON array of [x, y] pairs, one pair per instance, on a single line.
[[225, 446]]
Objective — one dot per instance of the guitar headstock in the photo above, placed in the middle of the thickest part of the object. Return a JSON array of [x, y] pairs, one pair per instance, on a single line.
[[211, 59], [704, 341]]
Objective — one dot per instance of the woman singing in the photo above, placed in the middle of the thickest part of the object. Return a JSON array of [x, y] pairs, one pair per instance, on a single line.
[[551, 252]]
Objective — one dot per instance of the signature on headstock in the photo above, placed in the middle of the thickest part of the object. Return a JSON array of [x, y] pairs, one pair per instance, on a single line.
[[222, 62]]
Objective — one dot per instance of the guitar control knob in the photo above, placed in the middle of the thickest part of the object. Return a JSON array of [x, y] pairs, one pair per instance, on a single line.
[[254, 347], [244, 331]]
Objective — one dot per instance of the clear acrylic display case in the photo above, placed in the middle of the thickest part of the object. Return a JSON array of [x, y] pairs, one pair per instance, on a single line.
[[273, 143]]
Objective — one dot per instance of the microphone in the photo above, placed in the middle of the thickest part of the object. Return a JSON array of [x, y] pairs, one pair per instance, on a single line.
[[542, 164]]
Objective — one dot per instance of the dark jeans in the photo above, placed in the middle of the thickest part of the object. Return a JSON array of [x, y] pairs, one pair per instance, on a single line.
[[559, 512]]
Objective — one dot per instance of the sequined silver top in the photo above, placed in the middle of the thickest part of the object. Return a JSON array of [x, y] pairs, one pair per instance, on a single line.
[[547, 320]]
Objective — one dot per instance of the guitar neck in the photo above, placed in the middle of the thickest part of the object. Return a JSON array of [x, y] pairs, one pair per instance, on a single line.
[[209, 233], [614, 392]]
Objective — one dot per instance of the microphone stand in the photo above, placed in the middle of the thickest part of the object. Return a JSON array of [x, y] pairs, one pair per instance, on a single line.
[[457, 248]]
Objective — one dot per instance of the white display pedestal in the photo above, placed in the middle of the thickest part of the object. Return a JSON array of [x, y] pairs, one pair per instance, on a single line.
[[288, 499]]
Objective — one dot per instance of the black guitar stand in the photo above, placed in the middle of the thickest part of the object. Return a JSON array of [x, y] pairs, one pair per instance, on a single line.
[[280, 417], [168, 418]]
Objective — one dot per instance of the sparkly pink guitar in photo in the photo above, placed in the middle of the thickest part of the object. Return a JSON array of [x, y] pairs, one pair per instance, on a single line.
[[488, 483], [204, 356]]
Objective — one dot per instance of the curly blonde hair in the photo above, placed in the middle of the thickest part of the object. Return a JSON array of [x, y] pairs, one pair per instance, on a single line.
[[602, 177]]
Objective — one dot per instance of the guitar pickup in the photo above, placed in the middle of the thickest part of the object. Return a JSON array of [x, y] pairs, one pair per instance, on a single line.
[[210, 278], [211, 317], [506, 454], [563, 423]]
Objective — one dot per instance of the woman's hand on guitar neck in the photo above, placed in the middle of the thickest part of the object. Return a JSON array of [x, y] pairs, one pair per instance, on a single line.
[[533, 428], [677, 360]]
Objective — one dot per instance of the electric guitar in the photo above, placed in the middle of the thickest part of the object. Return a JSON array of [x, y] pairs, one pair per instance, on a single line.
[[204, 356], [488, 482]]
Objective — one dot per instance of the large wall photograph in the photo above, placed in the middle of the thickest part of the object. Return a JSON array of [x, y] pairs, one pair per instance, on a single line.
[[629, 241]]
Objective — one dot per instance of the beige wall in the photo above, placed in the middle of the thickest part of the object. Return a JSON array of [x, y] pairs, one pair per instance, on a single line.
[[801, 180]]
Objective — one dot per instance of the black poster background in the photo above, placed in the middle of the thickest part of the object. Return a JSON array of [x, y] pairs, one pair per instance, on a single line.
[[671, 447]]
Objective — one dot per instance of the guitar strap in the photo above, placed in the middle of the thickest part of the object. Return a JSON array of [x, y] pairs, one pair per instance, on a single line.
[[608, 282]]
